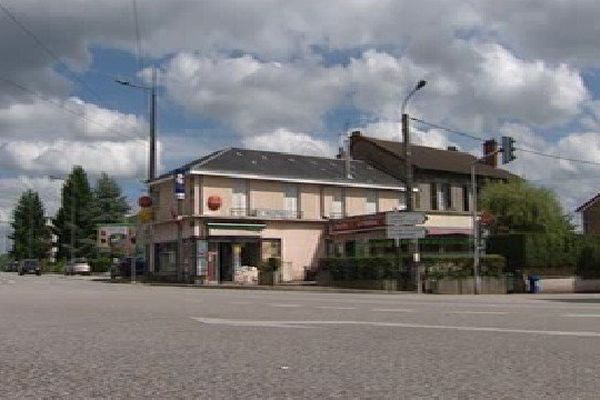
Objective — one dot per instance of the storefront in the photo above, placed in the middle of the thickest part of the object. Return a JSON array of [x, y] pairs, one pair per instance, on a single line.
[[365, 236]]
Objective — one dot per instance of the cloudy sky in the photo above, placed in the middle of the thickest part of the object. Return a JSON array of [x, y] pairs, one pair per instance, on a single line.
[[292, 76]]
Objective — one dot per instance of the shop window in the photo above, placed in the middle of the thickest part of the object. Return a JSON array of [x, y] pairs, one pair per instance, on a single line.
[[350, 248]]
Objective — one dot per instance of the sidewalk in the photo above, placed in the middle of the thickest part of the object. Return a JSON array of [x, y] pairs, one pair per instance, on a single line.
[[299, 287]]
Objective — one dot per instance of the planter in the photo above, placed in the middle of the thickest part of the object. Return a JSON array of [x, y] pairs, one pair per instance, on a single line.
[[381, 284], [268, 278], [487, 285]]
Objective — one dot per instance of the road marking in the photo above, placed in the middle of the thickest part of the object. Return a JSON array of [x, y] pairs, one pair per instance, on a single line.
[[480, 312], [336, 308], [392, 310], [306, 324], [581, 315], [284, 305]]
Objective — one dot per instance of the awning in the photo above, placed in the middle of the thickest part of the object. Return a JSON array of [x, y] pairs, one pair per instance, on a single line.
[[448, 231], [234, 229]]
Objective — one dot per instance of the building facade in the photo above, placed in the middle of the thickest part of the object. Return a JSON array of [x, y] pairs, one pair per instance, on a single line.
[[590, 216], [242, 207]]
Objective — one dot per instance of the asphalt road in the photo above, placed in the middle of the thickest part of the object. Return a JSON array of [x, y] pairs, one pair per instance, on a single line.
[[79, 338]]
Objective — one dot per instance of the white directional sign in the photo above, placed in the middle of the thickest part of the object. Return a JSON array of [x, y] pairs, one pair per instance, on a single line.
[[405, 232], [405, 218]]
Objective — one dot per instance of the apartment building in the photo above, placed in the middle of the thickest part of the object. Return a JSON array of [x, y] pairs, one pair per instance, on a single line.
[[242, 206]]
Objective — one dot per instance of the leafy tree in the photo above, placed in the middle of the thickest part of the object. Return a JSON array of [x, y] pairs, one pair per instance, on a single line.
[[521, 207], [75, 222], [111, 205], [31, 235]]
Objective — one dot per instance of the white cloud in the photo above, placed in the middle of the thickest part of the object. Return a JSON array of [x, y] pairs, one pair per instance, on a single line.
[[122, 159], [290, 142], [250, 95]]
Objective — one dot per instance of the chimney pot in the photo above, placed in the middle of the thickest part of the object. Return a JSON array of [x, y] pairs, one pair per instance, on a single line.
[[452, 148]]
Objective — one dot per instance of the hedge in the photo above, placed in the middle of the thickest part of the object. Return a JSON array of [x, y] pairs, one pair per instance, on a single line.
[[553, 254], [437, 267]]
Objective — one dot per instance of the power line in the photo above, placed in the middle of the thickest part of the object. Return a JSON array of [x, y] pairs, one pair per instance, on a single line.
[[538, 153], [46, 49], [436, 126]]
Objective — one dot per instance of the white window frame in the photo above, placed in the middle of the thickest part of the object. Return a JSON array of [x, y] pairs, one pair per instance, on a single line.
[[239, 196], [371, 202], [290, 198]]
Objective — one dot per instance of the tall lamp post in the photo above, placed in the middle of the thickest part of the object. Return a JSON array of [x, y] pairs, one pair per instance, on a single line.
[[407, 153], [152, 148], [152, 91]]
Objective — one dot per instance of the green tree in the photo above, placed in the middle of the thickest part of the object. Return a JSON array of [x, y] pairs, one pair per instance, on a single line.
[[30, 234], [75, 222], [521, 207], [110, 203]]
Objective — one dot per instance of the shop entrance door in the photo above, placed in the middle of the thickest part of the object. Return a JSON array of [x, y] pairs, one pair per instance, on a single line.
[[225, 262]]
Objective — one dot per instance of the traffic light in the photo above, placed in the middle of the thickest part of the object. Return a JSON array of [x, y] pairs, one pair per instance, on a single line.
[[508, 149]]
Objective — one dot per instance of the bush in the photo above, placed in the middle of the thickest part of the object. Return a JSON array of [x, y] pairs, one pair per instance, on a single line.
[[55, 267], [101, 264], [437, 267], [361, 268]]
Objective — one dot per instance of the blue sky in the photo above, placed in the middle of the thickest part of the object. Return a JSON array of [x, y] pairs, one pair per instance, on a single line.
[[293, 76]]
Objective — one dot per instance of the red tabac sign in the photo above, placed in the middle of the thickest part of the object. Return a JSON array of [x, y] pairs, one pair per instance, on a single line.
[[357, 223]]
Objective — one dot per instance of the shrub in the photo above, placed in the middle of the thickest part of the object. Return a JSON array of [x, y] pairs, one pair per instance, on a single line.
[[270, 265], [101, 264], [437, 267]]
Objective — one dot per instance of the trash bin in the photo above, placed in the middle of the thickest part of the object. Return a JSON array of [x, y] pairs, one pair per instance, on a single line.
[[510, 282], [534, 286]]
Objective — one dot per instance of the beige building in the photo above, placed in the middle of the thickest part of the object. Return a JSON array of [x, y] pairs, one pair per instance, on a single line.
[[243, 206]]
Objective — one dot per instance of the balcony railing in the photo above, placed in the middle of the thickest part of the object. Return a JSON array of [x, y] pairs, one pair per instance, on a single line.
[[266, 213]]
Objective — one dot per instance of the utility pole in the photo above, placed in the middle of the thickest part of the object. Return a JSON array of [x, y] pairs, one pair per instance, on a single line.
[[408, 168], [152, 161]]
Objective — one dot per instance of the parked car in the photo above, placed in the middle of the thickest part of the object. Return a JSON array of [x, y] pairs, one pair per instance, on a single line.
[[123, 267], [78, 266], [29, 266], [12, 266]]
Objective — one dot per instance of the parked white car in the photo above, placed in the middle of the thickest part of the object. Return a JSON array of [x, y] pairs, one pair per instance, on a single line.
[[78, 266]]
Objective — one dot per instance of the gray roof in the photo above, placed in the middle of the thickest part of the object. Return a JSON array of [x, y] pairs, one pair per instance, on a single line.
[[275, 165]]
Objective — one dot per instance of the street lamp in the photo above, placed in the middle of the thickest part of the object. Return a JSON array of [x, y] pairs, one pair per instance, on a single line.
[[414, 244], [152, 90], [406, 148]]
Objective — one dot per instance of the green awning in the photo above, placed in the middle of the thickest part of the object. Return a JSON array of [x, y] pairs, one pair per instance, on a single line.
[[234, 226]]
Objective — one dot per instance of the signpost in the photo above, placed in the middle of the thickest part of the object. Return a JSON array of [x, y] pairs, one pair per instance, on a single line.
[[405, 232], [401, 225], [405, 218]]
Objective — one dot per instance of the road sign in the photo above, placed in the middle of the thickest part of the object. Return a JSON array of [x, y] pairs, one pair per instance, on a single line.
[[405, 218], [405, 232]]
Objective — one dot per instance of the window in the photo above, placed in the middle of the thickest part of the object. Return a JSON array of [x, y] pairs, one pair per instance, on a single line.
[[445, 196], [417, 198], [466, 198], [239, 201], [402, 202], [336, 205], [434, 197], [371, 202], [291, 200]]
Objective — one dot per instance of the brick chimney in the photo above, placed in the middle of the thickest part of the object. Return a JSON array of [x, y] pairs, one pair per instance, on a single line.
[[489, 147]]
